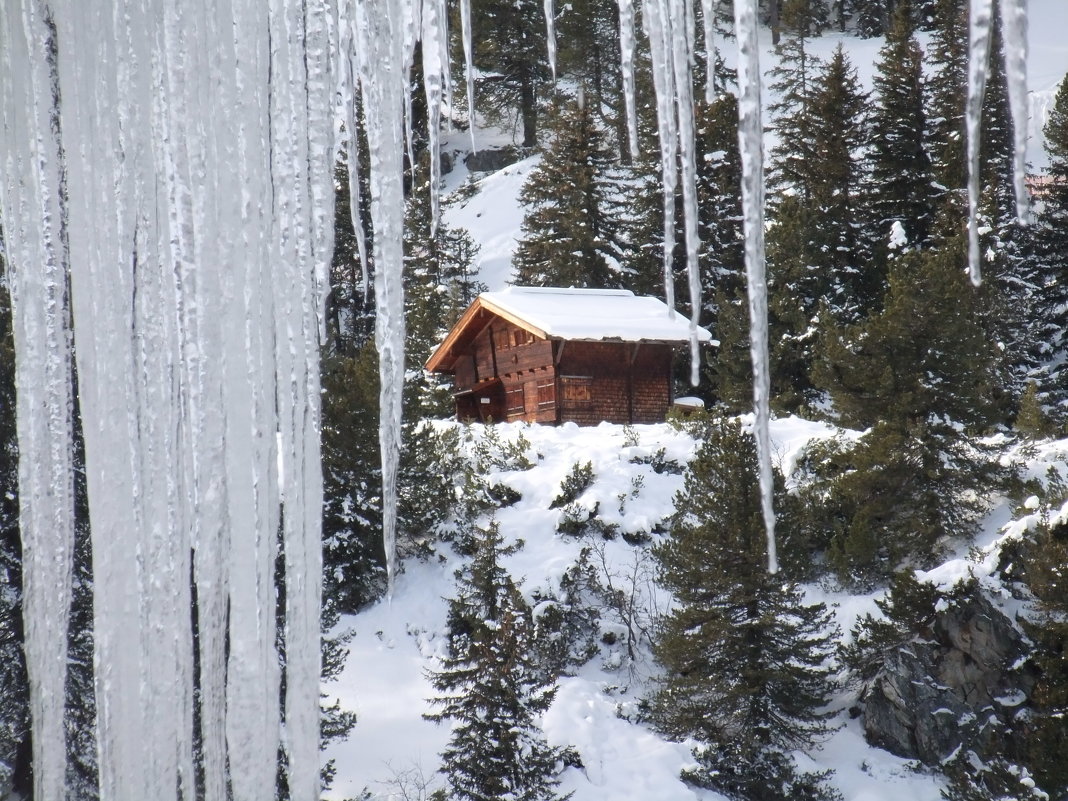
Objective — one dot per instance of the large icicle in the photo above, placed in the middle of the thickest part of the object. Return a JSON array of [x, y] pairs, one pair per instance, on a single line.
[[654, 19], [549, 6], [751, 144], [708, 14], [980, 20], [31, 207], [435, 80], [681, 38], [469, 66], [379, 44], [1014, 46], [669, 26], [626, 63]]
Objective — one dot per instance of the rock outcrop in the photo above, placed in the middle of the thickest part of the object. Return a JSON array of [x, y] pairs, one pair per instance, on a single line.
[[959, 687]]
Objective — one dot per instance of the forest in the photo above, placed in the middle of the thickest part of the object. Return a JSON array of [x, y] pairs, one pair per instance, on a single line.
[[938, 402]]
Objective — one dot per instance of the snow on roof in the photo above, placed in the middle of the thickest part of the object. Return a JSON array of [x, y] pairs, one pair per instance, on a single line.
[[592, 314]]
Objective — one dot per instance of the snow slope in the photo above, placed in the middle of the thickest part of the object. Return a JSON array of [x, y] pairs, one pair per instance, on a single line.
[[396, 642]]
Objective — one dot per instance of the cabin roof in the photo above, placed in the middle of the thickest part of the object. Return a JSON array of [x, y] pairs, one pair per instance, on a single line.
[[585, 315]]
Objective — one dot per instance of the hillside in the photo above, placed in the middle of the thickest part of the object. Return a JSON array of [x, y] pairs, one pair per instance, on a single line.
[[392, 751]]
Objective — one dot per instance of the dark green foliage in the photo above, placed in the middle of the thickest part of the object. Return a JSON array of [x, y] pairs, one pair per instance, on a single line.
[[491, 688], [1051, 303], [923, 356], [908, 611], [438, 287], [512, 55], [567, 621], [815, 254], [948, 56], [1047, 737], [576, 483], [353, 559], [901, 173], [567, 239], [970, 779], [745, 658]]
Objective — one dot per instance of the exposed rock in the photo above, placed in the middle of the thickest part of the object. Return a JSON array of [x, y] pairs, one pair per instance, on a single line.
[[491, 159], [959, 687]]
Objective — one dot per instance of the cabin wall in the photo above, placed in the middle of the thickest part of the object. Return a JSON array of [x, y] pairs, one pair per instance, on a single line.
[[510, 374], [619, 382]]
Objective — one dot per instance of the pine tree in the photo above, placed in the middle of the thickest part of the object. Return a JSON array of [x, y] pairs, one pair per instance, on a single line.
[[511, 54], [492, 690], [901, 174], [439, 285], [920, 373], [815, 253], [566, 237], [1051, 302], [948, 55], [745, 657]]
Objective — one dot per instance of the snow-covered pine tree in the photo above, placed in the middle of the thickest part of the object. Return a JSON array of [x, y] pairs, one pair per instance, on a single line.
[[948, 57], [815, 253], [745, 659], [492, 690], [566, 233], [1052, 254], [439, 285], [511, 55], [921, 374], [901, 175]]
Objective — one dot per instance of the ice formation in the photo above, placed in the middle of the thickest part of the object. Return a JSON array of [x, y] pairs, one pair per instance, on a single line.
[[626, 59], [708, 15], [199, 226], [31, 195], [751, 144]]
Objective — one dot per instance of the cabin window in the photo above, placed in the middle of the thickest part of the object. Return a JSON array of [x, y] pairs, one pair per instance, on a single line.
[[546, 393], [576, 389], [502, 339], [514, 400]]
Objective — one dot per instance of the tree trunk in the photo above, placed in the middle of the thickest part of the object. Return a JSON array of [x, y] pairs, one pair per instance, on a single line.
[[528, 109]]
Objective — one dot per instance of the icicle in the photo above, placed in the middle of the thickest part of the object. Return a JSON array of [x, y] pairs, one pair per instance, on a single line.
[[434, 71], [708, 13], [349, 72], [682, 60], [656, 28], [469, 67], [34, 218], [379, 44], [751, 144], [978, 60], [550, 34], [1014, 46], [626, 59]]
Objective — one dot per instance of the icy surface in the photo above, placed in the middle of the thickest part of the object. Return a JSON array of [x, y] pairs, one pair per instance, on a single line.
[[980, 20], [626, 59], [31, 204], [750, 141], [469, 66], [199, 225], [550, 34], [708, 13], [1014, 37], [592, 314], [379, 42]]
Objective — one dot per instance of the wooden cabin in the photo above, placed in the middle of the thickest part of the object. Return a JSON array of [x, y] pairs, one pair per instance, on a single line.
[[547, 355]]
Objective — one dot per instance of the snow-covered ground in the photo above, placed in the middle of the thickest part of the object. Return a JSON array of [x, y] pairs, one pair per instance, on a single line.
[[397, 641], [393, 752]]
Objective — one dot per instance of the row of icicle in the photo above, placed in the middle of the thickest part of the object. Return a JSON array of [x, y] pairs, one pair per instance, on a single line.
[[199, 385]]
